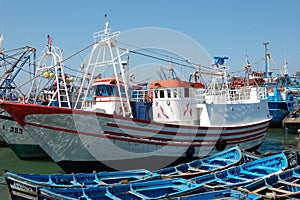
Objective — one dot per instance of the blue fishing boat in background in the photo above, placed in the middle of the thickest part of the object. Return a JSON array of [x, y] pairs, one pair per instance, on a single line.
[[279, 107], [280, 98]]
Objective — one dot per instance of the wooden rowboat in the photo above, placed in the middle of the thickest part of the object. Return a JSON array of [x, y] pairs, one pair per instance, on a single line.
[[218, 161]]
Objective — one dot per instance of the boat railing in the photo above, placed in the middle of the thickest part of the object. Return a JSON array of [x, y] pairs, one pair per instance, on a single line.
[[233, 95], [199, 95]]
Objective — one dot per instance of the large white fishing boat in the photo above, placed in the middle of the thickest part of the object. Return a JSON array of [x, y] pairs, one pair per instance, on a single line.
[[115, 126]]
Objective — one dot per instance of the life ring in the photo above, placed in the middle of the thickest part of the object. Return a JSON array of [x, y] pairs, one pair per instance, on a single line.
[[190, 152], [221, 144]]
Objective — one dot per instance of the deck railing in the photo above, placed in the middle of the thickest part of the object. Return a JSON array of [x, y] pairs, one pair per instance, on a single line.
[[231, 95]]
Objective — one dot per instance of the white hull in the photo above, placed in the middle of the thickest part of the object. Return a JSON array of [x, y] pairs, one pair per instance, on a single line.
[[81, 136]]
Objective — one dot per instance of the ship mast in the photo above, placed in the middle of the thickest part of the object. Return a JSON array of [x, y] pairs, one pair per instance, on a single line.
[[247, 70], [267, 62], [105, 54]]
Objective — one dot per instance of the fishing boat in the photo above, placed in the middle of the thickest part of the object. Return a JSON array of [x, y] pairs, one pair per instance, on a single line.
[[218, 161], [257, 78], [280, 102], [15, 63], [23, 145], [189, 120], [220, 194], [280, 98], [280, 186], [245, 173], [27, 185], [157, 189], [291, 123]]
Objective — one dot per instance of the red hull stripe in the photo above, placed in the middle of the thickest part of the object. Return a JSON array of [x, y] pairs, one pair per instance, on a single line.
[[262, 131], [154, 141], [248, 140], [266, 125], [259, 134]]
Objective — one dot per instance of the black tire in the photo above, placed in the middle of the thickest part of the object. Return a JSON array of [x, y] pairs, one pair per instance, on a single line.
[[221, 144]]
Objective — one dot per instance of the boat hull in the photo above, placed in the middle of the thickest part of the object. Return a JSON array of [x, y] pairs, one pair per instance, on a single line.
[[76, 166], [22, 144], [278, 110], [78, 140]]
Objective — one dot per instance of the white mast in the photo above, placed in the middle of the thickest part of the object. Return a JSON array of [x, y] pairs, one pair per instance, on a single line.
[[105, 54]]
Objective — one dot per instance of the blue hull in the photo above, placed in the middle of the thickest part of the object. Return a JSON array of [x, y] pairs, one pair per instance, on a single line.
[[285, 185], [246, 173], [279, 110]]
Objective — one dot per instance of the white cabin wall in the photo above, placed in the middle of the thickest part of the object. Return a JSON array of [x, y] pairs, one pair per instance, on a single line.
[[237, 113], [175, 109], [111, 105]]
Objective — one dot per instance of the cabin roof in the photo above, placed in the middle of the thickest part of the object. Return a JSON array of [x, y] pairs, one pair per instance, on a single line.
[[107, 81], [174, 84]]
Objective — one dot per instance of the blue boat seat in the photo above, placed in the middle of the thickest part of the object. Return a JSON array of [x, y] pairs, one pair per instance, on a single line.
[[139, 195], [225, 160], [296, 175], [238, 177], [267, 169], [209, 165], [253, 173], [198, 170]]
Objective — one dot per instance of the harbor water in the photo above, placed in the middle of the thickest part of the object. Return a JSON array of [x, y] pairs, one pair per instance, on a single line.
[[275, 141]]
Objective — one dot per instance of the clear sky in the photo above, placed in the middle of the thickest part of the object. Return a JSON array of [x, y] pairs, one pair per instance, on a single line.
[[233, 28]]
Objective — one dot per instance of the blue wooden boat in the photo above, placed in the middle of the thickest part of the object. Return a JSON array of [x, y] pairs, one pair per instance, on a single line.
[[245, 173], [157, 189], [220, 194], [27, 184], [31, 182], [218, 161], [283, 185]]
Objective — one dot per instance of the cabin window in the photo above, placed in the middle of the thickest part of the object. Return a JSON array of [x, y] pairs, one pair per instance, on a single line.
[[98, 91], [192, 93], [104, 90], [156, 94], [109, 90], [115, 91], [175, 93], [186, 92], [169, 93], [161, 93]]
